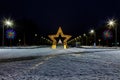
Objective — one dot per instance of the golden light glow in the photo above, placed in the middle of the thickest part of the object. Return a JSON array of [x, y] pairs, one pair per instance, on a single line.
[[59, 32], [65, 47], [53, 46]]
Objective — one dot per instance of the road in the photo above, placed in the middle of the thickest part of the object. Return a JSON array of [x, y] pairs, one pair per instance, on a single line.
[[87, 65]]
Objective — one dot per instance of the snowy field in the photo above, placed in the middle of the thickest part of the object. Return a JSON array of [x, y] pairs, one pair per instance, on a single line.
[[60, 64], [16, 52]]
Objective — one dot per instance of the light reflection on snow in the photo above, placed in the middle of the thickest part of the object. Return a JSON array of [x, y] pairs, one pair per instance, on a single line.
[[76, 55], [36, 65], [42, 62]]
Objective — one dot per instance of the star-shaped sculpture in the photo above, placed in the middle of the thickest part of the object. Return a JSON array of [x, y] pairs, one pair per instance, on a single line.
[[59, 32]]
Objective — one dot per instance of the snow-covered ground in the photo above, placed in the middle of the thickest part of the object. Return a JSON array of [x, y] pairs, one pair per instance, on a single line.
[[69, 64], [16, 52]]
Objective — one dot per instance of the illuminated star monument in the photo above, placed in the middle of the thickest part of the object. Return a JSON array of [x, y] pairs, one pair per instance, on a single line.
[[59, 33]]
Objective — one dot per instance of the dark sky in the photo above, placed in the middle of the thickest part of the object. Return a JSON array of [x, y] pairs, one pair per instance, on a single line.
[[75, 16]]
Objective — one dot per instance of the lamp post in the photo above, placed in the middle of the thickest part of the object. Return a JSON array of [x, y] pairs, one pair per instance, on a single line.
[[3, 37], [92, 31], [112, 23], [85, 39], [36, 39], [7, 23], [99, 41], [19, 42]]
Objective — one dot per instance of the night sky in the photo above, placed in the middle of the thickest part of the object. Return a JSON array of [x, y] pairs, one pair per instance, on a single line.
[[45, 16]]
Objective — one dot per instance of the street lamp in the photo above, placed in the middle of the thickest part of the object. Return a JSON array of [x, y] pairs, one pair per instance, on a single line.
[[80, 40], [35, 35], [92, 31], [99, 41], [86, 38], [112, 23], [19, 41], [8, 23], [36, 39]]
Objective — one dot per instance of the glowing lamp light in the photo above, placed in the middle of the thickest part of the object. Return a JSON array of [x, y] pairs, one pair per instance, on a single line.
[[84, 34], [35, 35], [92, 31], [99, 40], [111, 22], [19, 40], [8, 23]]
